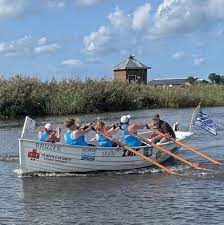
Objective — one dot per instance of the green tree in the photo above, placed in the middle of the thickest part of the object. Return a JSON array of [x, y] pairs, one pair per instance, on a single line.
[[214, 78], [222, 80]]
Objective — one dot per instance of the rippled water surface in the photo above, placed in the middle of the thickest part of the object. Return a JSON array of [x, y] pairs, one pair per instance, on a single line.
[[144, 196]]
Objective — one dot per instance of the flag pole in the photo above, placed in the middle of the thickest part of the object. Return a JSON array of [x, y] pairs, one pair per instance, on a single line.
[[24, 127], [193, 116]]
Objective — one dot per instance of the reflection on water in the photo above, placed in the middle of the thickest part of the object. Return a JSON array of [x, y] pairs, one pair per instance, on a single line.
[[144, 196]]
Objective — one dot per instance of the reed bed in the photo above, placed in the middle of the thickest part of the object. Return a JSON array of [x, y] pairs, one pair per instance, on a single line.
[[22, 95]]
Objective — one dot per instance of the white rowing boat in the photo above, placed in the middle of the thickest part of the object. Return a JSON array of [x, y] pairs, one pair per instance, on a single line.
[[36, 156]]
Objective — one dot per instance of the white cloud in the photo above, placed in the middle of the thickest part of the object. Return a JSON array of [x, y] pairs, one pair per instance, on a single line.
[[172, 17], [87, 3], [21, 46], [183, 16], [79, 3], [141, 17], [49, 48], [178, 55], [27, 46], [56, 3], [111, 37], [199, 61], [12, 8], [118, 19], [72, 62], [97, 41], [42, 41], [178, 16], [215, 8]]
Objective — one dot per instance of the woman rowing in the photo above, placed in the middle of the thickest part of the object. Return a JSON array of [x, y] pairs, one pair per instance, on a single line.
[[48, 134], [107, 130], [74, 135], [128, 128]]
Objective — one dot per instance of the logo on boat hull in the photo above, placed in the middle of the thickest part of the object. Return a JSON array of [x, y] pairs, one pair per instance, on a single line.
[[33, 155], [88, 154]]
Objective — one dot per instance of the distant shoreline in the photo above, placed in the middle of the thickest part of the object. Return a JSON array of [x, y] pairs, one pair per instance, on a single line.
[[22, 95]]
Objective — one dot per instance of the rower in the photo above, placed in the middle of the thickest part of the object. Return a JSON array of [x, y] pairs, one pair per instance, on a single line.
[[129, 140], [48, 134], [107, 130], [74, 134]]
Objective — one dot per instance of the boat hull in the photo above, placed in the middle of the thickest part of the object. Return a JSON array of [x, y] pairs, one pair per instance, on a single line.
[[38, 156]]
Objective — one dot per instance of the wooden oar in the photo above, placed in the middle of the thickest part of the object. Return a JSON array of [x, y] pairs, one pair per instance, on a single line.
[[189, 148], [152, 161], [193, 165]]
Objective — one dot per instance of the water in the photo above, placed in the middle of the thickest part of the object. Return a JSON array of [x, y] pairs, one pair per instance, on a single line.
[[144, 196]]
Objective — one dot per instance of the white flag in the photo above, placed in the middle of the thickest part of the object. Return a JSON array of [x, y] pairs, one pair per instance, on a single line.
[[29, 126]]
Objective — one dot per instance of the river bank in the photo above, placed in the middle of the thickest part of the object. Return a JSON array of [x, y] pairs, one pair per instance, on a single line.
[[21, 95]]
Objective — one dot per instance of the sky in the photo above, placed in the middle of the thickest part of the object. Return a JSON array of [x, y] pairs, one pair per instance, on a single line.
[[87, 38]]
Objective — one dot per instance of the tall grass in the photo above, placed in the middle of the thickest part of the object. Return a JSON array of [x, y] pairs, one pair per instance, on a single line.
[[22, 95]]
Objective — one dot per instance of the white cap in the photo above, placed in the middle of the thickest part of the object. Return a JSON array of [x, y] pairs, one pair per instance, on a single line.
[[48, 127], [125, 119]]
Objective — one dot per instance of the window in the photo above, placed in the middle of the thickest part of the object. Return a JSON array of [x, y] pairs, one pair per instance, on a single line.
[[139, 78], [131, 78]]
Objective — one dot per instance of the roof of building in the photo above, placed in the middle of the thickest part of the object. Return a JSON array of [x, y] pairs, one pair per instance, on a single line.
[[201, 81], [168, 81], [130, 63]]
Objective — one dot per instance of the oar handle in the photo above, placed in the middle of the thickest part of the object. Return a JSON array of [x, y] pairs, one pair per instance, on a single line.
[[152, 161], [165, 150], [190, 148]]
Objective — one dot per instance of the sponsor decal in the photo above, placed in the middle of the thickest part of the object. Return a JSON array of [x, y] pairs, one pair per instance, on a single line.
[[33, 155], [88, 154], [48, 147], [145, 151], [109, 153], [129, 153], [55, 158]]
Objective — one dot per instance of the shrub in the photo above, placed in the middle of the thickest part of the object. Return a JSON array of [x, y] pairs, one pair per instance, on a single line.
[[23, 95]]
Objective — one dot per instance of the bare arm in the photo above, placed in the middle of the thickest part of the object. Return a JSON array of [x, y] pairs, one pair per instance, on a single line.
[[108, 127], [53, 138], [79, 133], [113, 131], [135, 127]]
